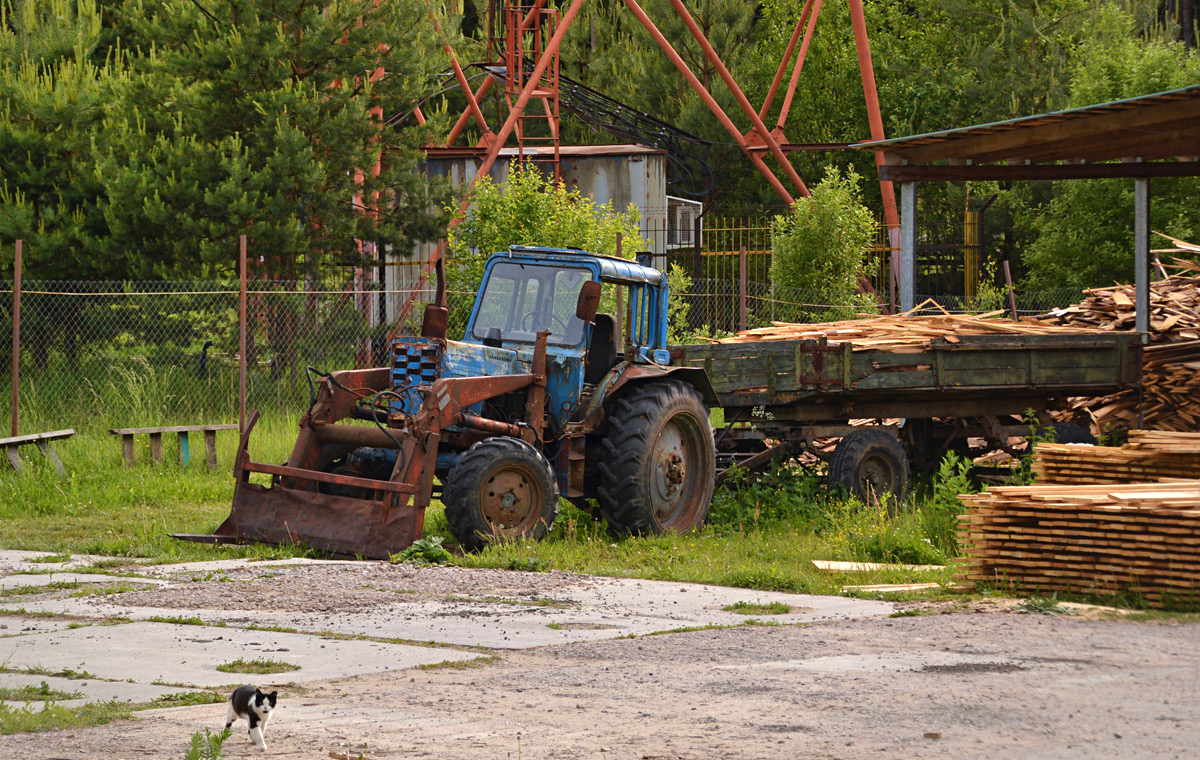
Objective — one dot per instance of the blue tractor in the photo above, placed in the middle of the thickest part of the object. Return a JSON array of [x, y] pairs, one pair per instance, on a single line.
[[562, 386]]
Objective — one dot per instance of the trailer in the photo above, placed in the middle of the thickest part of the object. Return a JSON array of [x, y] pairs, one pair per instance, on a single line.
[[898, 412]]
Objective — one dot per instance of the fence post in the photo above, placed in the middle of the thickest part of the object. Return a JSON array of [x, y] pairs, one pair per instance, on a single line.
[[971, 255], [242, 335], [742, 287], [1012, 297], [16, 336]]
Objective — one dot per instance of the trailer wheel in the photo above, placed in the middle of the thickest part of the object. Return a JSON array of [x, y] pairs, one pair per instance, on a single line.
[[657, 461], [870, 463], [1069, 432], [501, 489]]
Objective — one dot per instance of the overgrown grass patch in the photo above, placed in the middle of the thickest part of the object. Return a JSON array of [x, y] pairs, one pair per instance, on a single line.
[[51, 715], [42, 692], [257, 666], [758, 608]]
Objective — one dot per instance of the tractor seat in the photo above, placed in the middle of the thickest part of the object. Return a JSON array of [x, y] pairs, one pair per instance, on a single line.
[[602, 353]]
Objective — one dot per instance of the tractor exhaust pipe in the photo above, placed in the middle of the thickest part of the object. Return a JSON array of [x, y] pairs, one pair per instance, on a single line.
[[436, 318]]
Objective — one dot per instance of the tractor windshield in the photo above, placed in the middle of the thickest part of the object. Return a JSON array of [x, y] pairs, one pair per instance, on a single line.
[[521, 299]]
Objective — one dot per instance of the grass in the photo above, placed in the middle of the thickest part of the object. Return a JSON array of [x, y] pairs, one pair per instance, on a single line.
[[758, 608], [51, 715], [40, 693], [258, 666]]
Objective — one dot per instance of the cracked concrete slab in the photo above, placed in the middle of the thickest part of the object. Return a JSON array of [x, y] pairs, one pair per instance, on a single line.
[[608, 609], [189, 655], [22, 580], [90, 690]]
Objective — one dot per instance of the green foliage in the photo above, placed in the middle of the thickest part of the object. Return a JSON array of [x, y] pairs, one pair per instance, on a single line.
[[819, 246], [785, 493], [40, 693], [758, 608], [1084, 235], [200, 124], [424, 551], [257, 666], [530, 209], [1042, 605], [679, 314], [940, 510], [207, 746], [53, 716]]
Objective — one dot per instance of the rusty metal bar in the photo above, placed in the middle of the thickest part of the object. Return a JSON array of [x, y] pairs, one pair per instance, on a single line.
[[874, 118], [472, 104], [328, 477], [791, 90], [519, 107], [708, 99], [461, 124], [242, 334], [16, 336], [740, 97], [787, 56]]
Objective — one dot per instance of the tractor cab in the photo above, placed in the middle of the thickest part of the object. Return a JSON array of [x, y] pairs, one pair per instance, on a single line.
[[527, 290]]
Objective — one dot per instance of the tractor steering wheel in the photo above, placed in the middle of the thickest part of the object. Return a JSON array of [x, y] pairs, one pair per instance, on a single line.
[[544, 318]]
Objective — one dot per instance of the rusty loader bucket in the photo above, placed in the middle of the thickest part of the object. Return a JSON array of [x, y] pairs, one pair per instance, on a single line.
[[330, 511]]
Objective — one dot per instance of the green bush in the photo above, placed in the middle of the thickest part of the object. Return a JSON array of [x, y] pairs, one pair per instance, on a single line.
[[530, 209], [819, 247]]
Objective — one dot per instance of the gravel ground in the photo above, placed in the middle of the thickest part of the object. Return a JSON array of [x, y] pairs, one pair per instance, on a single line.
[[958, 684], [344, 587]]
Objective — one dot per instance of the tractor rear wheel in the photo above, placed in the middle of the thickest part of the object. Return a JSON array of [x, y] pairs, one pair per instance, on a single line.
[[501, 489], [658, 461]]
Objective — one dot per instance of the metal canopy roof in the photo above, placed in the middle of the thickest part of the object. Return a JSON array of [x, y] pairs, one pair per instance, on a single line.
[[1060, 145]]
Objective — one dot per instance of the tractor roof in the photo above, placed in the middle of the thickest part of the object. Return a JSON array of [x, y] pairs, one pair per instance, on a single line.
[[611, 268]]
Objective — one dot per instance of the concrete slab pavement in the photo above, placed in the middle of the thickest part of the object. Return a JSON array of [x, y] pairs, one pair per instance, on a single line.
[[189, 655], [608, 608], [90, 690]]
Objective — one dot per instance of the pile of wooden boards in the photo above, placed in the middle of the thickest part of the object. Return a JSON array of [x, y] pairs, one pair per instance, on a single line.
[[1085, 465], [1170, 362], [1140, 539], [901, 333]]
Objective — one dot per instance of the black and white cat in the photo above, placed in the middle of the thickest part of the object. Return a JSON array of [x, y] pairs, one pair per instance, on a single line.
[[255, 706]]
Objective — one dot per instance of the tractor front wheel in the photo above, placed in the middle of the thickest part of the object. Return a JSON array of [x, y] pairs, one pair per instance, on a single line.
[[501, 489], [658, 462]]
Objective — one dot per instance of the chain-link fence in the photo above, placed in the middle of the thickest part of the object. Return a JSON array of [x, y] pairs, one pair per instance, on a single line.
[[129, 354]]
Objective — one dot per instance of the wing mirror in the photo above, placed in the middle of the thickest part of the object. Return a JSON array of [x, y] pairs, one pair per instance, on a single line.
[[589, 301]]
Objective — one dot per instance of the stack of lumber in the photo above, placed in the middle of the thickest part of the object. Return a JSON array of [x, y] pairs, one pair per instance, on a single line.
[[1164, 441], [1067, 464], [1170, 361], [1100, 539], [900, 333]]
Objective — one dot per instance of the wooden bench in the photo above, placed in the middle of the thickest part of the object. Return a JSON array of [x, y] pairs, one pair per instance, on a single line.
[[185, 452], [42, 441]]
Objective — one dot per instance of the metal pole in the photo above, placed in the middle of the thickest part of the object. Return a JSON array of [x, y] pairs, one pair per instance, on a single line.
[[742, 288], [874, 117], [711, 102], [16, 336], [1141, 256], [535, 77], [908, 245], [787, 56], [1012, 296], [242, 324], [739, 96], [791, 90]]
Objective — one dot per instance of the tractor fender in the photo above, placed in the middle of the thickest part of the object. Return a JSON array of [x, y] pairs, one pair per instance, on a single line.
[[639, 374]]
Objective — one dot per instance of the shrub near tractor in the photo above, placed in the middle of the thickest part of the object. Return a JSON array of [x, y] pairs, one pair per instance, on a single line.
[[543, 397]]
